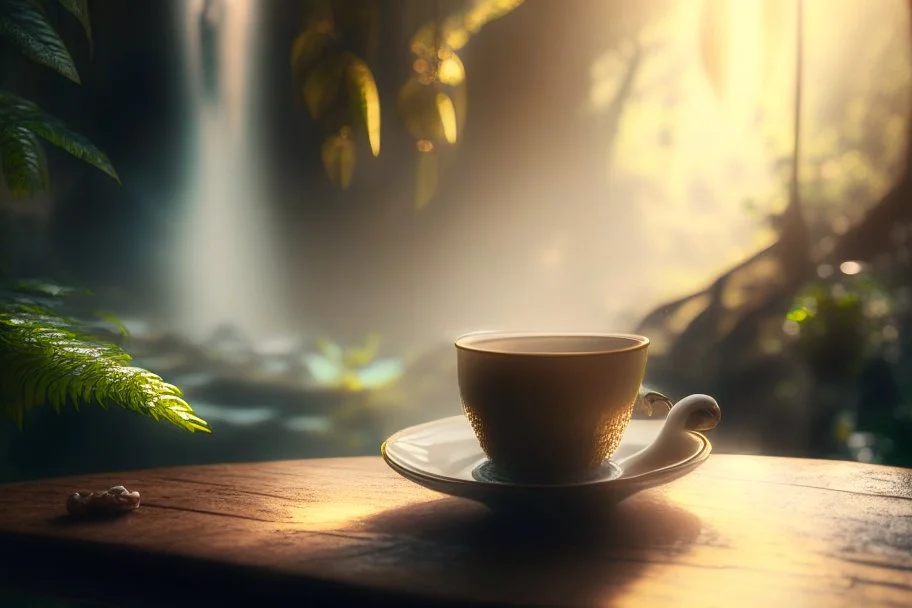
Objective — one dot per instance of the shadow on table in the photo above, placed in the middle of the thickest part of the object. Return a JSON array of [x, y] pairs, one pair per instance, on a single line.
[[460, 547]]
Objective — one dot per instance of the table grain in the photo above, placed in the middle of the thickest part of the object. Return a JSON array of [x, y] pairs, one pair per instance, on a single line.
[[741, 530]]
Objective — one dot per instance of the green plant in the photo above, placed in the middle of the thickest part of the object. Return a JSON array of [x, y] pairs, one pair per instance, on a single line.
[[839, 321], [355, 369], [49, 353], [50, 356], [330, 68], [24, 26]]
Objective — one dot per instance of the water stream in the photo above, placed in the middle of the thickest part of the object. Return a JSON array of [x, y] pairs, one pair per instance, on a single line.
[[223, 269]]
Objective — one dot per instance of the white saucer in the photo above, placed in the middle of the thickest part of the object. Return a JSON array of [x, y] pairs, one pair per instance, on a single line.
[[444, 455]]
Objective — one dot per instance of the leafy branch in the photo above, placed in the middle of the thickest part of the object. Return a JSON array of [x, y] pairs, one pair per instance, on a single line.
[[22, 123], [49, 357], [24, 25], [328, 57]]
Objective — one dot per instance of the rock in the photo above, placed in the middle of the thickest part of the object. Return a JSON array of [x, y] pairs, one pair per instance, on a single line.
[[116, 499]]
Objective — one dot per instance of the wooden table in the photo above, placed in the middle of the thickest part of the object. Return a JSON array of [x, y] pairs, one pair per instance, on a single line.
[[742, 531]]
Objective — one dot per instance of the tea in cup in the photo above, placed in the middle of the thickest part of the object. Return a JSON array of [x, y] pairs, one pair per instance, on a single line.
[[549, 408]]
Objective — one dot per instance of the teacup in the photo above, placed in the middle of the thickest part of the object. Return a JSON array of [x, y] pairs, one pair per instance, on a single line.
[[549, 408]]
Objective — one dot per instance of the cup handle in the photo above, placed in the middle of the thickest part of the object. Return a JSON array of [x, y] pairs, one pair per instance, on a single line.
[[648, 401], [674, 442]]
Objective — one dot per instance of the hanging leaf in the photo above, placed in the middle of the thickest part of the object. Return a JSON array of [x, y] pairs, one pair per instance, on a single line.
[[306, 49], [451, 71], [22, 161], [418, 106], [322, 86], [455, 35], [56, 133], [426, 177], [447, 114], [363, 92], [714, 43], [24, 25], [338, 154], [23, 113], [460, 106], [80, 10]]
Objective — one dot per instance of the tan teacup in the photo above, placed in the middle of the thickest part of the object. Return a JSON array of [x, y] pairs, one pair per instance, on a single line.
[[549, 407]]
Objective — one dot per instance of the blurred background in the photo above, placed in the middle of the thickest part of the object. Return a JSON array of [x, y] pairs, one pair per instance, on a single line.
[[317, 197]]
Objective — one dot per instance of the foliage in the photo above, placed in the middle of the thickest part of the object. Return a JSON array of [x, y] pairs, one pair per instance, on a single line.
[[24, 25], [355, 369], [21, 124], [840, 320], [849, 327], [336, 84], [50, 356], [329, 67]]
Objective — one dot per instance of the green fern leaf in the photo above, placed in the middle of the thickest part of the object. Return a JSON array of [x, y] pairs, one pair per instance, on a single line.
[[22, 161], [19, 112], [24, 25], [46, 358], [111, 318], [80, 10]]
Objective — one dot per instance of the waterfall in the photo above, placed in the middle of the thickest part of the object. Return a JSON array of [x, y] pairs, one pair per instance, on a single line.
[[223, 263]]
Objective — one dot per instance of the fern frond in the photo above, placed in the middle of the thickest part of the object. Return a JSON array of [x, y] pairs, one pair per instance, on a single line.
[[48, 358], [24, 25]]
